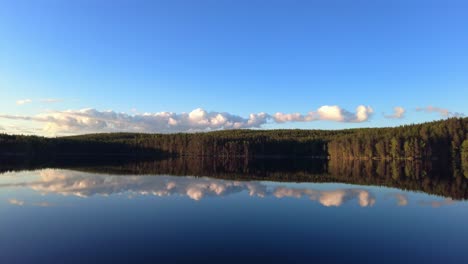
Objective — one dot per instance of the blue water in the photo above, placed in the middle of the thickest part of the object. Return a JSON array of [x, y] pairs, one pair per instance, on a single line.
[[64, 216]]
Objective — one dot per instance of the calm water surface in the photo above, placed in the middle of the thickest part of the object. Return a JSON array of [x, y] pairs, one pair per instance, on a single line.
[[68, 216]]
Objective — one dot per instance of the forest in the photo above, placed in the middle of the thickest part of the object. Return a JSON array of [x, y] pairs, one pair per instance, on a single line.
[[438, 140]]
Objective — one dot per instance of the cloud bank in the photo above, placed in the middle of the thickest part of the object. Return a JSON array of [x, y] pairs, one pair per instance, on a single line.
[[92, 120]]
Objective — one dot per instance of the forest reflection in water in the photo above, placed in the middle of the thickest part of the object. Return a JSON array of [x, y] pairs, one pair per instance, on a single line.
[[127, 211], [429, 177]]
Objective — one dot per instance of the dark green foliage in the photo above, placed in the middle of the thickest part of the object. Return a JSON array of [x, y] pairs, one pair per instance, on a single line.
[[434, 140], [41, 146], [464, 157]]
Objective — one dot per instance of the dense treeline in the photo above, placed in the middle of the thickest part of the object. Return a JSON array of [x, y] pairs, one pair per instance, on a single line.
[[434, 140], [228, 143], [445, 139], [51, 147]]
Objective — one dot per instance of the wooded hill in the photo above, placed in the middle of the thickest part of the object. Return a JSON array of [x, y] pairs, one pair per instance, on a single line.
[[445, 139]]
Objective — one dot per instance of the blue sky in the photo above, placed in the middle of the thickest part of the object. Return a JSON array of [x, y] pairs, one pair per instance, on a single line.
[[229, 57]]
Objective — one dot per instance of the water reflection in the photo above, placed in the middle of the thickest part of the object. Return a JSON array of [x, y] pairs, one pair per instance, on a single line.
[[65, 182], [81, 184], [429, 177], [402, 199], [17, 202], [328, 198], [437, 204], [120, 212]]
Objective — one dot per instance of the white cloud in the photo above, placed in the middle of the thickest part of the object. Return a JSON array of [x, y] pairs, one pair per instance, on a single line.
[[91, 120], [23, 101], [398, 113], [326, 112], [442, 111]]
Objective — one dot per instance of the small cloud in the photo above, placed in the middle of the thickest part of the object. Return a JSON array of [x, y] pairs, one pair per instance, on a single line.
[[23, 101], [398, 113], [16, 202], [51, 100], [442, 111]]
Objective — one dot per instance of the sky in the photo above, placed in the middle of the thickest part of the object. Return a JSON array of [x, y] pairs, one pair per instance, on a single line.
[[74, 67]]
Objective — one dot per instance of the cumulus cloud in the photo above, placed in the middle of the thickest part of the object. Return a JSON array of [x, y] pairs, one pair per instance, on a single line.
[[92, 120], [23, 101], [442, 111], [326, 112], [398, 113]]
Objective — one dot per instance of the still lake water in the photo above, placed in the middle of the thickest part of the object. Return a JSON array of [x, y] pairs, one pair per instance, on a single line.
[[87, 216]]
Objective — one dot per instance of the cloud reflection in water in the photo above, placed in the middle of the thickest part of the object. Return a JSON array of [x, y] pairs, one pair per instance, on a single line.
[[82, 184]]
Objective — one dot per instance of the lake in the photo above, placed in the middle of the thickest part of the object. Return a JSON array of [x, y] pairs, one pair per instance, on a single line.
[[190, 211]]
